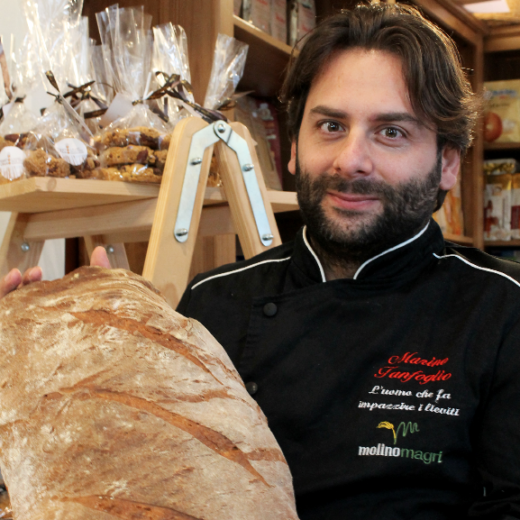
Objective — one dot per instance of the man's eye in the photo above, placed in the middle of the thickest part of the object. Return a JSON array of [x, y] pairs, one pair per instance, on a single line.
[[392, 133], [330, 126]]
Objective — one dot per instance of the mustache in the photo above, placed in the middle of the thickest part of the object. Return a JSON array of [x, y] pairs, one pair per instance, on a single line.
[[360, 186]]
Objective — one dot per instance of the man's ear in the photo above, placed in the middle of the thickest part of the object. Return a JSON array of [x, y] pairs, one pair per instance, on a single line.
[[450, 168], [291, 166]]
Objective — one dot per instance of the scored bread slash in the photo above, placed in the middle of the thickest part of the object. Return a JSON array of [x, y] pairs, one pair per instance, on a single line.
[[112, 405]]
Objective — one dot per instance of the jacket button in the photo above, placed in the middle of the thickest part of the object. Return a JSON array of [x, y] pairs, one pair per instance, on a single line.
[[252, 388], [270, 309]]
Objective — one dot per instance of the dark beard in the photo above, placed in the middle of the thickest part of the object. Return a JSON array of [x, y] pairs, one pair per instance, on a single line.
[[407, 207]]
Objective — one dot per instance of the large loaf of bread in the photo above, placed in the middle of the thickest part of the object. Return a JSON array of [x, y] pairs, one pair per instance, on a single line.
[[112, 405]]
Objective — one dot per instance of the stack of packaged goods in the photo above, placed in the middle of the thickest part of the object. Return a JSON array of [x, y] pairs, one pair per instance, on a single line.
[[59, 144], [116, 104], [134, 141], [288, 22], [502, 112], [501, 199]]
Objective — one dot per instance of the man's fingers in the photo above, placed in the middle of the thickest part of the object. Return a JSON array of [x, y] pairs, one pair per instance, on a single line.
[[33, 274], [99, 258], [10, 282]]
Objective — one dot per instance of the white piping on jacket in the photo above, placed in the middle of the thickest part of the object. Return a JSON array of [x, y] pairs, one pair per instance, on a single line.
[[478, 267], [402, 244], [241, 269], [322, 272]]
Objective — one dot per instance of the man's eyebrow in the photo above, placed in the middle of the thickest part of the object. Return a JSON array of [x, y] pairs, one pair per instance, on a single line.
[[328, 112], [398, 117], [390, 117]]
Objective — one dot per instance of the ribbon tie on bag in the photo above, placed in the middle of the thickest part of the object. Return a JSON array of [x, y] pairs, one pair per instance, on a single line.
[[85, 132], [83, 92]]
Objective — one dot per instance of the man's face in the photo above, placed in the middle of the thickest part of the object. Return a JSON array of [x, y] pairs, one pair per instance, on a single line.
[[366, 166]]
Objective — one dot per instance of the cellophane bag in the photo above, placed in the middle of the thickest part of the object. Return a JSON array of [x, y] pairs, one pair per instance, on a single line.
[[228, 67], [171, 64], [19, 120], [101, 93], [59, 146], [84, 76], [229, 61], [134, 146]]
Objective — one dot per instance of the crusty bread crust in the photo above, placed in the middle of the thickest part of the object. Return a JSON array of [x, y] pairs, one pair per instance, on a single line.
[[112, 405]]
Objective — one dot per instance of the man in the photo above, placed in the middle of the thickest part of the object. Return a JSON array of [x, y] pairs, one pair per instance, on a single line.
[[385, 360]]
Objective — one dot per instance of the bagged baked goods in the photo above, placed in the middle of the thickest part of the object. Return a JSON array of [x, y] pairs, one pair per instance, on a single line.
[[21, 77], [112, 405], [129, 121], [61, 141]]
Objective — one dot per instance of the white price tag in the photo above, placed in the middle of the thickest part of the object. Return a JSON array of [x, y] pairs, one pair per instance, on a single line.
[[72, 150], [11, 162]]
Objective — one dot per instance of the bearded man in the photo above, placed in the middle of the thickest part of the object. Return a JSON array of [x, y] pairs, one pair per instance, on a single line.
[[385, 359]]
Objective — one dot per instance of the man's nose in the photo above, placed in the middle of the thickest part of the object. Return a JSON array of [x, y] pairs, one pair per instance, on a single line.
[[352, 156]]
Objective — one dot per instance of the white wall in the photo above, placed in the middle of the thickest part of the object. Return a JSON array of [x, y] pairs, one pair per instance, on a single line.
[[12, 21]]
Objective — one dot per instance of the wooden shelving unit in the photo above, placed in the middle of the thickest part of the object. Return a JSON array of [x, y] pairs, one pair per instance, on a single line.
[[502, 62]]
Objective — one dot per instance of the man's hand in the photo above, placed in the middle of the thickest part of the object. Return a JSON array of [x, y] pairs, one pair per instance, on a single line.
[[14, 279], [99, 258]]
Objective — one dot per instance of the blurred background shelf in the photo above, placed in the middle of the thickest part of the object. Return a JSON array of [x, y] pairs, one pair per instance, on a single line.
[[267, 59], [502, 146]]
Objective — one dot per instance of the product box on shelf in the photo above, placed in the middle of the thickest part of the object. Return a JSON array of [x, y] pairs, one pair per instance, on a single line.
[[279, 20], [302, 19], [258, 12], [502, 111], [497, 207]]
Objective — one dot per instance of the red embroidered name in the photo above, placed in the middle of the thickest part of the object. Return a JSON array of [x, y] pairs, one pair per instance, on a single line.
[[413, 359], [394, 371]]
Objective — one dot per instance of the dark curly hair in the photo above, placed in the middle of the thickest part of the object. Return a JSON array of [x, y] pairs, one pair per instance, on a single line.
[[439, 91]]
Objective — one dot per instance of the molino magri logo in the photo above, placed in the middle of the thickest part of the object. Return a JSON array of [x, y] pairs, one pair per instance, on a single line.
[[403, 429]]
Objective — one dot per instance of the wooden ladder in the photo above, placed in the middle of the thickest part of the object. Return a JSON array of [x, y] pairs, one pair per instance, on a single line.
[[171, 249]]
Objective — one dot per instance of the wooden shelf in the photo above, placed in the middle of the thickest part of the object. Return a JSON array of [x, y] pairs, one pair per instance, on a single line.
[[39, 194], [43, 194], [502, 243], [459, 239], [501, 146], [267, 59], [501, 39]]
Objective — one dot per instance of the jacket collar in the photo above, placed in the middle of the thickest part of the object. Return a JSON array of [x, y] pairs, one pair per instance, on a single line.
[[402, 260]]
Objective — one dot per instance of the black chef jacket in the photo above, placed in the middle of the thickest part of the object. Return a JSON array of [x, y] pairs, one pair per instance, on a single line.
[[393, 395]]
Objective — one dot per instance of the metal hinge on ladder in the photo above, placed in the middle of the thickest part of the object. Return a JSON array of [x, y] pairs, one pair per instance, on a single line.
[[200, 141]]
